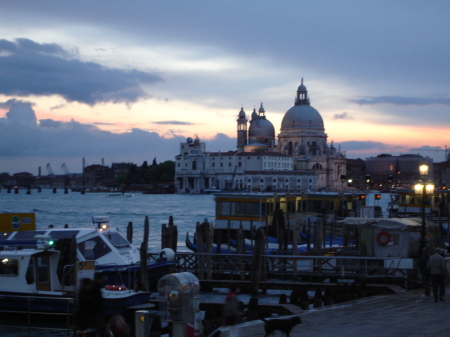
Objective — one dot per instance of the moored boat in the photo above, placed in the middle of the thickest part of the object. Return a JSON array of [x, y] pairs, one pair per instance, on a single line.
[[29, 282], [120, 194], [115, 257]]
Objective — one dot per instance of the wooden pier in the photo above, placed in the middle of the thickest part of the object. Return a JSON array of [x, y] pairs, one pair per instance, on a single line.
[[292, 271]]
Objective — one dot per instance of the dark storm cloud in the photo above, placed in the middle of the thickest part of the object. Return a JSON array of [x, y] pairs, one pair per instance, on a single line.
[[22, 136], [173, 123], [399, 100], [30, 68], [343, 115], [221, 142]]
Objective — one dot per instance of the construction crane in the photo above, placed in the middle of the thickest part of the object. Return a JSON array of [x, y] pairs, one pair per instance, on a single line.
[[49, 170], [64, 169]]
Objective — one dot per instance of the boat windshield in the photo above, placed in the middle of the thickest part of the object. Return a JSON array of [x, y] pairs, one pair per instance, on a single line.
[[27, 235], [5, 235], [63, 234], [117, 240], [94, 248]]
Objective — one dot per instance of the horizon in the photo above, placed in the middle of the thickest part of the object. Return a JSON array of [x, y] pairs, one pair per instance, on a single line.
[[130, 83]]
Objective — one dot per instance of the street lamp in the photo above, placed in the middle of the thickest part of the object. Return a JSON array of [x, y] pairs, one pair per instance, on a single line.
[[343, 180], [423, 189]]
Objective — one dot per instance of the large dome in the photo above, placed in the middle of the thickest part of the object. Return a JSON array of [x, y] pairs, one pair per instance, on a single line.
[[302, 117]]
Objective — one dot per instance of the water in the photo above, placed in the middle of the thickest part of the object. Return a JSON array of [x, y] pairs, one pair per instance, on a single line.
[[76, 209]]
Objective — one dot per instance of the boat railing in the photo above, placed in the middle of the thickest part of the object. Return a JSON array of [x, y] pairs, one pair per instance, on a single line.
[[31, 325], [67, 271]]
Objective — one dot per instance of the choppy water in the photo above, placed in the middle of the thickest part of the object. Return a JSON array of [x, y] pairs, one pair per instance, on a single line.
[[76, 209]]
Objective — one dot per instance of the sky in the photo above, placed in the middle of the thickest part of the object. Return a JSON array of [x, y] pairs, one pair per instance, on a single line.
[[118, 81]]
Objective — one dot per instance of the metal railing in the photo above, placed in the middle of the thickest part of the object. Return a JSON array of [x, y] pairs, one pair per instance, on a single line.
[[295, 267], [26, 306]]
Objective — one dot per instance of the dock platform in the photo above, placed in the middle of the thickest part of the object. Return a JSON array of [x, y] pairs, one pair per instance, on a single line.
[[405, 314]]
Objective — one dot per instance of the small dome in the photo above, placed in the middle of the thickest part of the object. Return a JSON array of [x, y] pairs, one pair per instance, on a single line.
[[261, 131], [242, 113], [261, 128], [301, 87]]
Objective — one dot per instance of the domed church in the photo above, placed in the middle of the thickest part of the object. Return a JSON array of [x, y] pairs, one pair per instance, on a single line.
[[301, 161]]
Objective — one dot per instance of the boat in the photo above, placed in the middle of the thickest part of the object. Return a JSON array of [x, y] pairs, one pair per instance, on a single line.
[[29, 282], [254, 210], [212, 191], [114, 195], [115, 257], [214, 249]]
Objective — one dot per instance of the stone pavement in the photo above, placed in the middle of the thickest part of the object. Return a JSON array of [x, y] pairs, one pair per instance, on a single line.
[[406, 314]]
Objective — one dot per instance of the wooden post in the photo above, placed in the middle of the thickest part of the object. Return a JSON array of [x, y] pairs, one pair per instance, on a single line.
[[174, 234], [295, 248], [169, 235], [257, 260], [240, 249], [209, 229], [200, 249], [130, 232], [144, 256]]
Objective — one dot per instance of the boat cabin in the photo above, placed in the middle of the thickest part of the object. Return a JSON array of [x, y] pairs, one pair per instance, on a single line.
[[99, 242], [254, 210], [391, 237], [29, 270]]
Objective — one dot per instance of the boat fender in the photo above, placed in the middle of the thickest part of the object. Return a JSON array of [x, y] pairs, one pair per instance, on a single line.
[[383, 238], [167, 254], [115, 287]]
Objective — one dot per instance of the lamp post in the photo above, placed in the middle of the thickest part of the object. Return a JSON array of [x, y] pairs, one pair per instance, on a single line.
[[343, 180], [423, 189]]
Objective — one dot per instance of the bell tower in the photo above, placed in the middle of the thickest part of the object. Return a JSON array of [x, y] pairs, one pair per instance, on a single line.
[[241, 131]]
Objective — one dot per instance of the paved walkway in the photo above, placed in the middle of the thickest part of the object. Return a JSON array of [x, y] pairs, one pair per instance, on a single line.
[[401, 315]]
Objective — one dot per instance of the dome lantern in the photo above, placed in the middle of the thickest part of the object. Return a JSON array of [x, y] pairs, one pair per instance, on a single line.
[[302, 95]]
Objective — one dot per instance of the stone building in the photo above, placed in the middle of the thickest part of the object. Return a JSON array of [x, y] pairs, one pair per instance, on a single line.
[[301, 161]]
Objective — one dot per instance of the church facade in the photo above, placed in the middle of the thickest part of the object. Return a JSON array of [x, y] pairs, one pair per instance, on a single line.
[[300, 161]]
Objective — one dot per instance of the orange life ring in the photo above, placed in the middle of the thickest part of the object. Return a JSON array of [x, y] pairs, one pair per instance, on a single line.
[[383, 238], [115, 287]]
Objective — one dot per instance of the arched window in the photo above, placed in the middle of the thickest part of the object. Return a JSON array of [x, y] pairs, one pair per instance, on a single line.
[[317, 166]]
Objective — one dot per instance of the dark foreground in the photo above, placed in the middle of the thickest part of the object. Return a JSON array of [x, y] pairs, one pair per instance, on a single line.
[[401, 315], [406, 314]]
